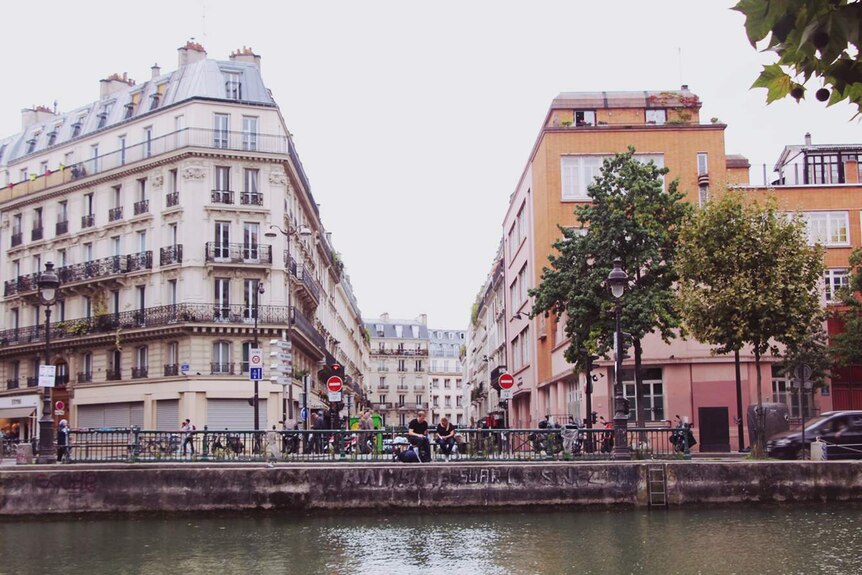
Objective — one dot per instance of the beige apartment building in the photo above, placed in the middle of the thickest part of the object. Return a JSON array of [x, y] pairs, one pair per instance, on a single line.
[[399, 367], [446, 389], [153, 203]]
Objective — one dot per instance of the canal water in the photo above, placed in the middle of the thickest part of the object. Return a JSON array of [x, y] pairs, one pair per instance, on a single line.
[[753, 540]]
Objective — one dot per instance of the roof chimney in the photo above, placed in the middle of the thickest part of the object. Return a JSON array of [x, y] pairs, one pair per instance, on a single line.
[[245, 55], [114, 83], [684, 88], [807, 138], [156, 71], [35, 115], [423, 318], [190, 53], [384, 316]]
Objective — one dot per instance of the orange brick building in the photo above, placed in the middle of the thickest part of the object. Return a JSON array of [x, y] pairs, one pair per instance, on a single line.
[[579, 131]]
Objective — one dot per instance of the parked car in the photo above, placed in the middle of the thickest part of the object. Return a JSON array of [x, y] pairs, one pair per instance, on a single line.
[[841, 428]]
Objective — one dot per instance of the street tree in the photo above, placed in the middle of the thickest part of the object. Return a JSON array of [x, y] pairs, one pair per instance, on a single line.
[[813, 39], [633, 217], [748, 277], [846, 347]]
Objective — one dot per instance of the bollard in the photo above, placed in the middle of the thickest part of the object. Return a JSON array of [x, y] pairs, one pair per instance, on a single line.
[[24, 454]]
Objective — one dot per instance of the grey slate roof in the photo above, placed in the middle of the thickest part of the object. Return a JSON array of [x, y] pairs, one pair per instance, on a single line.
[[204, 79], [389, 329]]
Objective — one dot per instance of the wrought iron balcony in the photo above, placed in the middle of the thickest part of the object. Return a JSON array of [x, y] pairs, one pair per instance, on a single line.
[[222, 368], [382, 368], [37, 234], [142, 207], [17, 238], [12, 383], [172, 369], [403, 352], [305, 277], [222, 197], [239, 253], [88, 221], [171, 255], [61, 379], [306, 328], [113, 375], [139, 372], [85, 377], [140, 261], [62, 228], [172, 200], [32, 381], [251, 199], [115, 214]]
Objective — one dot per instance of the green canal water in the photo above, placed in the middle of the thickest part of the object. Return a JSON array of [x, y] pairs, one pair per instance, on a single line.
[[797, 539]]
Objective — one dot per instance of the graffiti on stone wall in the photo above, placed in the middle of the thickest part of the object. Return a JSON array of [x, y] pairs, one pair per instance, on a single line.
[[84, 482]]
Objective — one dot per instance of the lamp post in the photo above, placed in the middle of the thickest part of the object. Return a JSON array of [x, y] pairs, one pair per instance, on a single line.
[[49, 284], [255, 309], [303, 231], [617, 281]]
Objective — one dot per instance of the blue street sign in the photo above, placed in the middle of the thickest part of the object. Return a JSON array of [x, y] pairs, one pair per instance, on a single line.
[[255, 373], [303, 414]]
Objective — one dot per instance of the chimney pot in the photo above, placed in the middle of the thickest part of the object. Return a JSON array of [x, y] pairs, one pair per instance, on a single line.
[[190, 53], [685, 87], [807, 138], [156, 70]]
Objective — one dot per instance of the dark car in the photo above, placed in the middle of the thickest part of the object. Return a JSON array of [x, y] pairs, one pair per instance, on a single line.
[[842, 429]]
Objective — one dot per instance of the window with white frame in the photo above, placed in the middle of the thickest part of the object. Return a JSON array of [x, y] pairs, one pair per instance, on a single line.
[[834, 280], [702, 164], [578, 172], [653, 396], [221, 358], [657, 117], [782, 392], [828, 228]]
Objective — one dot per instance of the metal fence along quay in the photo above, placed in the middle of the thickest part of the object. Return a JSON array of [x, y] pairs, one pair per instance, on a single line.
[[134, 445]]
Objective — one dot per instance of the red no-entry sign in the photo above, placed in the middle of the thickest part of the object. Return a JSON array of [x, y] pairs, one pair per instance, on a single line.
[[507, 381], [334, 384]]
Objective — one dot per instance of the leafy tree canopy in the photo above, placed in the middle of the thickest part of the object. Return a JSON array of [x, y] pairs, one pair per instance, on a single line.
[[813, 39], [846, 347]]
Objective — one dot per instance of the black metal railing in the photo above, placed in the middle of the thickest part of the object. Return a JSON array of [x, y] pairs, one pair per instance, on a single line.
[[405, 352], [85, 377], [172, 369], [88, 221], [310, 283], [251, 199], [115, 214], [305, 327], [139, 261], [141, 207], [171, 255], [16, 239], [172, 200], [221, 197], [61, 228], [113, 375], [139, 372], [12, 383], [239, 253], [136, 445], [32, 381], [37, 234], [222, 368]]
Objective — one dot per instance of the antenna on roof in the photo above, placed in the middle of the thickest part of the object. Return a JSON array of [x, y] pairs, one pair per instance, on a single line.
[[679, 55], [55, 107], [204, 21]]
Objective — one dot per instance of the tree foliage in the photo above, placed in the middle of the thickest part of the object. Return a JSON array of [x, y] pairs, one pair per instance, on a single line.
[[630, 216], [813, 39], [846, 347], [748, 276]]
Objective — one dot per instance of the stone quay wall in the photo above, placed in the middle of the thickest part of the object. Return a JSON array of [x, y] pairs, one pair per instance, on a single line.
[[76, 489]]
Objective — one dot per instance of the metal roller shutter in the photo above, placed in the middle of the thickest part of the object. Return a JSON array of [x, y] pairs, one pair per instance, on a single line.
[[233, 414], [168, 414], [111, 415]]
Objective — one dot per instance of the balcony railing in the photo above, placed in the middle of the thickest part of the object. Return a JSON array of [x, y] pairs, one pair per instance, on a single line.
[[172, 369], [239, 253], [139, 372], [85, 377], [157, 317], [115, 214], [305, 327], [222, 368], [171, 255], [12, 383], [309, 283], [139, 261], [32, 381], [88, 221], [113, 375], [37, 234], [383, 368], [251, 199], [17, 238], [222, 197], [142, 207], [172, 200], [404, 352], [62, 228]]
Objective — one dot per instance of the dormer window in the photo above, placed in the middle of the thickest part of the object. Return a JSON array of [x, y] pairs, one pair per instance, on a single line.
[[52, 136], [585, 118], [2, 151], [31, 143], [103, 115], [657, 117], [154, 101], [233, 86], [76, 127], [130, 110]]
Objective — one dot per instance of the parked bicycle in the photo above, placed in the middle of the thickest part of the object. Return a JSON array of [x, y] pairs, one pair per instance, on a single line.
[[161, 446]]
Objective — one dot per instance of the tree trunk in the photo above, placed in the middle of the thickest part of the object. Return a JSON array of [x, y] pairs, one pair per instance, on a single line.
[[639, 389], [759, 447]]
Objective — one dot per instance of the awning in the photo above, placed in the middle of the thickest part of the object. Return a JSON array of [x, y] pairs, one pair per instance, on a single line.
[[16, 412]]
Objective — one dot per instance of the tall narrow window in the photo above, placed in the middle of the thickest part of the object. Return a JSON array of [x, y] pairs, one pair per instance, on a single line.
[[702, 164], [250, 298], [221, 127], [249, 133], [233, 86], [222, 298], [121, 144], [221, 248], [250, 246], [148, 141], [250, 195]]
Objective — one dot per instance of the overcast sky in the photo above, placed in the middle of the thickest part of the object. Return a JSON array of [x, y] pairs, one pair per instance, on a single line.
[[414, 120]]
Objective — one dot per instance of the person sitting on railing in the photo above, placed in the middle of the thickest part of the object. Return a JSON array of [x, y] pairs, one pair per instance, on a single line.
[[417, 435], [445, 437]]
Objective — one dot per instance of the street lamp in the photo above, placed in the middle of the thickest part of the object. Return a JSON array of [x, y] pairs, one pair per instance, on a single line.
[[617, 281], [49, 285], [303, 231], [260, 292]]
